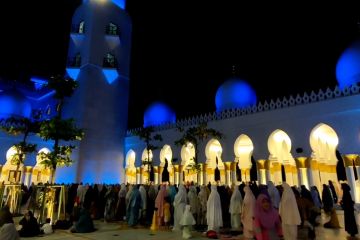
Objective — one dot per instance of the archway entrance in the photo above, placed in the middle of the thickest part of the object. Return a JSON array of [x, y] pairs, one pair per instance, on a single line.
[[188, 174], [130, 169], [279, 145], [40, 173], [243, 149], [324, 142], [215, 165], [167, 174], [146, 167]]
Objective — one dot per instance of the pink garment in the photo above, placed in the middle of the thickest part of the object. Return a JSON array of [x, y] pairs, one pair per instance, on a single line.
[[160, 200], [266, 223]]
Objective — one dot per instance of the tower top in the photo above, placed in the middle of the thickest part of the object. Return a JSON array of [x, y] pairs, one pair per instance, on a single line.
[[119, 3]]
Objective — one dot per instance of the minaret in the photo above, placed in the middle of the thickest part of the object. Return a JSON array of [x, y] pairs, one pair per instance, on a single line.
[[98, 58]]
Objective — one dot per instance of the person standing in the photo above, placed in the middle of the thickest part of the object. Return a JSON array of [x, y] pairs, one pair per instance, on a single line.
[[213, 210], [247, 213], [235, 209], [180, 202], [289, 213], [348, 206]]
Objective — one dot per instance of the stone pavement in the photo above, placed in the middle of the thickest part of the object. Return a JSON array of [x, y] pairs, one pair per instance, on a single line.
[[121, 231]]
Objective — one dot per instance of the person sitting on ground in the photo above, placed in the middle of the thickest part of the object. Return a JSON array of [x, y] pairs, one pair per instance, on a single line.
[[30, 227], [7, 226], [47, 228], [84, 224]]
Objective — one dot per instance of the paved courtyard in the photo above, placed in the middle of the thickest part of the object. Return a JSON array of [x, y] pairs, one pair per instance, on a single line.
[[120, 230]]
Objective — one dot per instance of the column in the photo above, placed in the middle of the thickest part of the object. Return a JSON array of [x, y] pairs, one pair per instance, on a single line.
[[316, 173], [357, 166], [161, 169], [349, 165], [201, 174], [302, 171], [28, 170], [205, 173], [156, 175], [172, 175], [263, 171], [181, 174], [233, 173], [141, 178], [176, 174], [276, 166], [288, 174], [227, 173]]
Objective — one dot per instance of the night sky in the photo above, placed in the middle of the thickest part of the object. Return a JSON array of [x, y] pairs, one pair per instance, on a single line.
[[183, 52]]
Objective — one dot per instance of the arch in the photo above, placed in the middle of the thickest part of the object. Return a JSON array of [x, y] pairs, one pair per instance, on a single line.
[[243, 149], [213, 151], [187, 159], [40, 173], [144, 157], [130, 169], [165, 162], [11, 155], [324, 142], [279, 145], [38, 158], [10, 172]]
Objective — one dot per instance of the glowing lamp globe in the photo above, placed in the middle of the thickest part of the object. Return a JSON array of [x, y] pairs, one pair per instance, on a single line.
[[234, 93], [348, 66], [157, 114], [14, 104]]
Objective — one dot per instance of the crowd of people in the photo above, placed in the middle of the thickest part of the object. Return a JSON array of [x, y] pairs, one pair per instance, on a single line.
[[256, 211]]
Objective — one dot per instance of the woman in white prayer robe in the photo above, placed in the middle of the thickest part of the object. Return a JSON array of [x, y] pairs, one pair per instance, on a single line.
[[203, 197], [289, 213], [235, 209], [187, 221], [143, 195], [194, 201], [274, 194], [180, 202], [213, 210], [247, 213]]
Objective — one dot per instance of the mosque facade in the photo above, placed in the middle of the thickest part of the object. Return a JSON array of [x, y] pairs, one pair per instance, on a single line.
[[298, 139]]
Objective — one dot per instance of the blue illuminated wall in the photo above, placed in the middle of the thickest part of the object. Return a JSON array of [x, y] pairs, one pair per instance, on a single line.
[[234, 93], [348, 66], [158, 113], [13, 103]]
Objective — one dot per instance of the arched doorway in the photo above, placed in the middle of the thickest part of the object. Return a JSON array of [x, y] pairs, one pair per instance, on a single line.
[[243, 149], [213, 151], [188, 174], [40, 173], [10, 172], [324, 142], [279, 145], [166, 164], [130, 169], [147, 174]]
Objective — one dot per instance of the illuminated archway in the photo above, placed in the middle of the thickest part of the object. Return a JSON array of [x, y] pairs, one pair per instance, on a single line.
[[165, 158], [146, 168], [215, 165], [40, 173], [279, 145], [9, 172], [187, 159], [130, 169], [324, 142], [243, 149]]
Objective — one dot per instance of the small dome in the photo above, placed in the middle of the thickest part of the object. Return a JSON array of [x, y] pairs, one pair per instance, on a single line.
[[14, 104], [234, 93], [158, 113], [348, 66]]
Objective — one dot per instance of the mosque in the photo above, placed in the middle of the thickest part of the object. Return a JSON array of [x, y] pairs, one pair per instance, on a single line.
[[299, 139]]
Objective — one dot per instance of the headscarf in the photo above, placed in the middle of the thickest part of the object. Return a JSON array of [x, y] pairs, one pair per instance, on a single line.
[[181, 196], [315, 197], [214, 212], [248, 207], [235, 202], [288, 209], [193, 200], [203, 197], [143, 195], [274, 194], [267, 218], [187, 218], [122, 192]]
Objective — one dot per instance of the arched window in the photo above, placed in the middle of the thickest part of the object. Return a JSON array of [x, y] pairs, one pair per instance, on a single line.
[[112, 29], [109, 61]]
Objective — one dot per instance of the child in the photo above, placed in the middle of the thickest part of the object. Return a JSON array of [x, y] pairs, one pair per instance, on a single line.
[[47, 228], [186, 222], [167, 213]]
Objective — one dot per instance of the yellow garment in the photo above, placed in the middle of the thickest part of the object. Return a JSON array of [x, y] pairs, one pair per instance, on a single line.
[[154, 225]]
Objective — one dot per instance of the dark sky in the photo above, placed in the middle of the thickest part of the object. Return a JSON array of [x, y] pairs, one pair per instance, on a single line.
[[183, 51]]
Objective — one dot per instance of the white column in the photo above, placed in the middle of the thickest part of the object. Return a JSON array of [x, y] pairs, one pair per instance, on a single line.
[[303, 177], [262, 176], [310, 177], [27, 178], [351, 180]]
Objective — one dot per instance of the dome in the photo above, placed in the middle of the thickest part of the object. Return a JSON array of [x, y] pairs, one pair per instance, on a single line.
[[14, 104], [348, 66], [234, 93], [158, 113]]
